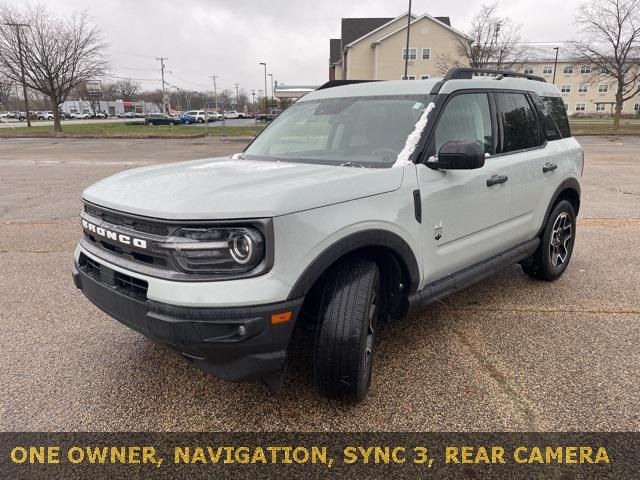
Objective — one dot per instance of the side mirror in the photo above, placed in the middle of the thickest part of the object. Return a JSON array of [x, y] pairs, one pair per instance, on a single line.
[[459, 155]]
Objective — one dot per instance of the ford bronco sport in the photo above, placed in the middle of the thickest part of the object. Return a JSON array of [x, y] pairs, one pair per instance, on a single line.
[[359, 201]]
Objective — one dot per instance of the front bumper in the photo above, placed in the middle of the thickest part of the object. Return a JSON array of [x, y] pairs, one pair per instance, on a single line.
[[236, 344]]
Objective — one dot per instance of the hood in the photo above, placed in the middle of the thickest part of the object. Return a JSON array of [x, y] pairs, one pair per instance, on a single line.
[[225, 188]]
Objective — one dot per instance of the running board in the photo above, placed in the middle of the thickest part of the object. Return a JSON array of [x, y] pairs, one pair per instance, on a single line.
[[468, 276]]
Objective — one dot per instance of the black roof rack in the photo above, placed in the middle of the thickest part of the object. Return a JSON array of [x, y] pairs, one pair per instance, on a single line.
[[467, 73], [339, 83]]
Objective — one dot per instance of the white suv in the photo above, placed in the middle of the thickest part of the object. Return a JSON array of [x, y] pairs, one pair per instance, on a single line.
[[358, 201], [198, 115]]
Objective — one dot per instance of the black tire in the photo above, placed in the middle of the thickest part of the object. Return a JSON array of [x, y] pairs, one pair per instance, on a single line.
[[171, 124], [347, 323], [150, 123], [556, 244], [200, 120]]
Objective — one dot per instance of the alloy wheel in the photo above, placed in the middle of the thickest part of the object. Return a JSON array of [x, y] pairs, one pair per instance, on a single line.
[[561, 235]]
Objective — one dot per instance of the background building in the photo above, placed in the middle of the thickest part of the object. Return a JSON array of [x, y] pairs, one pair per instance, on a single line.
[[292, 92], [374, 48], [112, 107], [584, 90]]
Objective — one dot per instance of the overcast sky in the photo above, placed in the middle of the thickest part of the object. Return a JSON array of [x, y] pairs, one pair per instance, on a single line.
[[229, 38]]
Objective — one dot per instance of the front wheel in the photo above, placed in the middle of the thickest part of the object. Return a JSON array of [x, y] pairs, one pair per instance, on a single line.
[[556, 244], [347, 324], [150, 123]]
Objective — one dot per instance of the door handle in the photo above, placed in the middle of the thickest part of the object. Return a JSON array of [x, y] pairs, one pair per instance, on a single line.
[[496, 179], [548, 167]]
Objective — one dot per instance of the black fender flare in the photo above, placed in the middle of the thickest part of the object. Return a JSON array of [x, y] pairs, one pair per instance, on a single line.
[[350, 243], [570, 183]]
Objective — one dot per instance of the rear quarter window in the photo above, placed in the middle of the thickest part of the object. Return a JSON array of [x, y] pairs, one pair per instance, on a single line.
[[555, 106]]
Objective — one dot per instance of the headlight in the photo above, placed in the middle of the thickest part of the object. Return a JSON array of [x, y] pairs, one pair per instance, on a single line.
[[215, 250]]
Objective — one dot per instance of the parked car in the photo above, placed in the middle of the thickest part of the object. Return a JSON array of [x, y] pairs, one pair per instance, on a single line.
[[187, 119], [214, 116], [100, 115], [46, 115], [234, 114], [197, 114], [19, 115], [267, 117], [414, 191], [161, 119], [79, 115]]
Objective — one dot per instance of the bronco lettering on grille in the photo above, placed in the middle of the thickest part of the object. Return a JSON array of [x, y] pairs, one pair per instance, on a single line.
[[118, 237]]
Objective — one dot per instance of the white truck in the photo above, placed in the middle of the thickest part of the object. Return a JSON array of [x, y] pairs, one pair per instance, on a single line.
[[357, 202]]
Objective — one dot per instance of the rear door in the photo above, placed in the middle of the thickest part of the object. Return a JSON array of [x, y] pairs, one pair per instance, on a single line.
[[523, 142], [464, 212]]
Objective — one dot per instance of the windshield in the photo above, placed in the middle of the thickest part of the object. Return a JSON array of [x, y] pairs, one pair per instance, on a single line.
[[369, 131]]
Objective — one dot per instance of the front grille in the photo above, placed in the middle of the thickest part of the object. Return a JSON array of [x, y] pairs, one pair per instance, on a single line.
[[134, 287], [125, 284], [130, 225], [122, 220], [129, 253], [90, 266]]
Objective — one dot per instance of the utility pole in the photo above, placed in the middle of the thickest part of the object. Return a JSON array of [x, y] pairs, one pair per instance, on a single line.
[[215, 91], [18, 27], [237, 97], [555, 65], [266, 106], [495, 41], [406, 58], [253, 101], [164, 95]]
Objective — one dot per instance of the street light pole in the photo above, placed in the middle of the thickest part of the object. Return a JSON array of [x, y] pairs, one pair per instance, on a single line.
[[555, 65], [237, 97], [18, 27], [215, 92], [266, 106], [271, 75]]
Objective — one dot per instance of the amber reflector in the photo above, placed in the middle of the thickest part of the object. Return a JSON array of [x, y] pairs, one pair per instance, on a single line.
[[282, 317]]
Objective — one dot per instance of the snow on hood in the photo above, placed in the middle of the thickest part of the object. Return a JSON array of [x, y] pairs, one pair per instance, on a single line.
[[414, 137]]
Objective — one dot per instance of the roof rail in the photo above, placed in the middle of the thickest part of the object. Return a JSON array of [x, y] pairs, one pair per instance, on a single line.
[[467, 73], [339, 83]]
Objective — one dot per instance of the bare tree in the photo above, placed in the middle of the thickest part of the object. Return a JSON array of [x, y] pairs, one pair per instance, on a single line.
[[5, 89], [59, 53], [492, 42], [126, 89], [609, 40]]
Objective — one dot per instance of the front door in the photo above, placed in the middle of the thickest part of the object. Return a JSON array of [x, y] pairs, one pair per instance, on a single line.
[[465, 213]]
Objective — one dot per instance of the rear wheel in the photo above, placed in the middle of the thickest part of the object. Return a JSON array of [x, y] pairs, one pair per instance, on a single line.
[[200, 120], [347, 324], [150, 123], [556, 244]]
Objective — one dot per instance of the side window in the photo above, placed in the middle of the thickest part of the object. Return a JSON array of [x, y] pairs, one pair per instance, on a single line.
[[558, 111], [519, 122], [465, 117], [551, 130]]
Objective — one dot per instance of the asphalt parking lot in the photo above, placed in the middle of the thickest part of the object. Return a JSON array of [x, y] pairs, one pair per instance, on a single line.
[[510, 353]]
